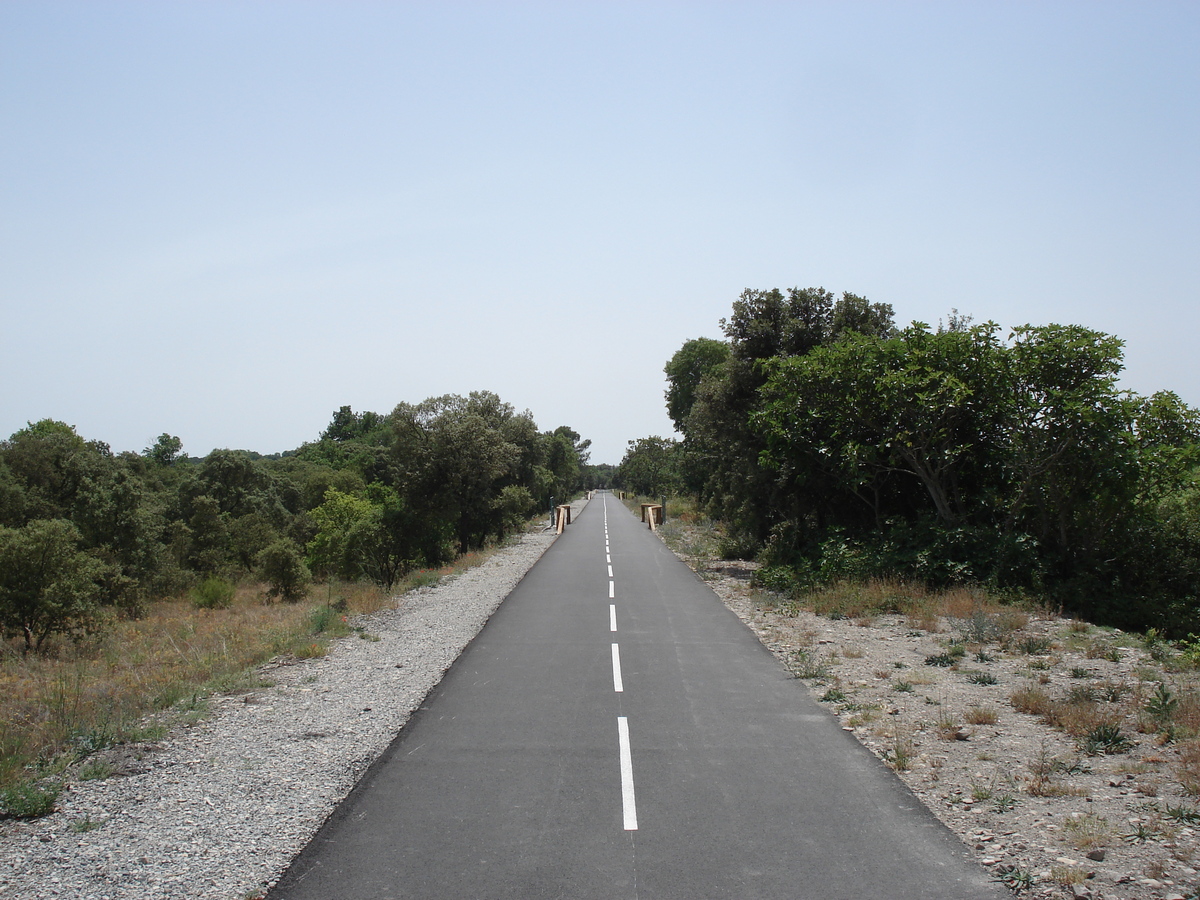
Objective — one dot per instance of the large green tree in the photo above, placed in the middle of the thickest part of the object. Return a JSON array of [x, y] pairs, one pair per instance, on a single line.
[[862, 410], [1033, 466], [650, 466], [48, 585], [685, 370], [721, 455], [455, 455]]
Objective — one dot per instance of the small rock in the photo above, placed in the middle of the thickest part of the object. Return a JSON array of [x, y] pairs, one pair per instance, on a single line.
[[1096, 855]]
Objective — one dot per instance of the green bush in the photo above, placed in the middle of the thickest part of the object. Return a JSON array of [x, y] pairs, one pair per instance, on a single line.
[[282, 568], [28, 800], [212, 593], [326, 619], [423, 578], [738, 546]]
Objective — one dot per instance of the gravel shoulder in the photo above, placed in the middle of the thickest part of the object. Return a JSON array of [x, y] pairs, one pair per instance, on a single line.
[[218, 809]]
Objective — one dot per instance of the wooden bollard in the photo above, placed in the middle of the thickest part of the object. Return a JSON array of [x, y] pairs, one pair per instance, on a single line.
[[652, 515], [563, 518]]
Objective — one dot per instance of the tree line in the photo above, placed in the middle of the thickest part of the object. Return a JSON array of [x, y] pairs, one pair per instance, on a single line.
[[86, 533], [833, 443]]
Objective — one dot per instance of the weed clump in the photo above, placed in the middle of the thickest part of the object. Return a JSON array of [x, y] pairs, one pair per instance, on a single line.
[[983, 678], [28, 799], [1105, 738], [1031, 645], [805, 665], [1089, 831]]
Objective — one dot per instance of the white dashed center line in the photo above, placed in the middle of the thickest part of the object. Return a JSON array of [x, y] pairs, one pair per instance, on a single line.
[[628, 801]]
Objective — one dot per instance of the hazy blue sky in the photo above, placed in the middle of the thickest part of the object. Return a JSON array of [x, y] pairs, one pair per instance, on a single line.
[[225, 220]]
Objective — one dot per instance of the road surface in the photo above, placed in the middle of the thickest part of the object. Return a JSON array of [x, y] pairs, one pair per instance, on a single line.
[[615, 732]]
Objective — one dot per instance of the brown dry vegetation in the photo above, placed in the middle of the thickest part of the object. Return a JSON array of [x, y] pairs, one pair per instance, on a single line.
[[139, 676]]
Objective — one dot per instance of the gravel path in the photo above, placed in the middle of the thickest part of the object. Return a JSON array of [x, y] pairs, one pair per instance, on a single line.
[[219, 809]]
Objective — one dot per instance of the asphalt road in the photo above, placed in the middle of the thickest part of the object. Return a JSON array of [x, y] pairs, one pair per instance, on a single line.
[[615, 732]]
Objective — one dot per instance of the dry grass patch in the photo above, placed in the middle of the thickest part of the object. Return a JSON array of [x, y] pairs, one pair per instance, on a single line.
[[1031, 700], [1044, 772], [864, 600], [977, 617], [981, 715], [59, 707], [1078, 717], [1087, 831], [86, 696], [1184, 717], [1187, 768], [1066, 876]]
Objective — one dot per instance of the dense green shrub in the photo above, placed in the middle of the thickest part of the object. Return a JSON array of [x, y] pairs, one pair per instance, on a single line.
[[849, 448], [28, 800], [375, 497], [212, 593], [283, 569]]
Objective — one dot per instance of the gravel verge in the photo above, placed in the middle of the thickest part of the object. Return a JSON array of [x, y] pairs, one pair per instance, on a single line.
[[220, 808]]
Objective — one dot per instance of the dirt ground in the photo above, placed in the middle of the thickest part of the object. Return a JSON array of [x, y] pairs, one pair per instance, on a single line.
[[1039, 740]]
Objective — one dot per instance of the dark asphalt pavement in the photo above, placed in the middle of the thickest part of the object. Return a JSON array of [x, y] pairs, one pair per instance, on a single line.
[[509, 781]]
